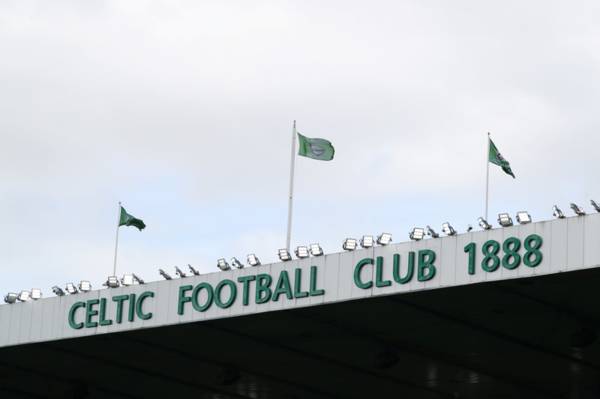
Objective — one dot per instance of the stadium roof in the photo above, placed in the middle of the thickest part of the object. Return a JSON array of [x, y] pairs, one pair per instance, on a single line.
[[518, 330]]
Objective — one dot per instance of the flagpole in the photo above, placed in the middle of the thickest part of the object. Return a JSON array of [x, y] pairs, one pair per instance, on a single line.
[[487, 177], [291, 196], [117, 241]]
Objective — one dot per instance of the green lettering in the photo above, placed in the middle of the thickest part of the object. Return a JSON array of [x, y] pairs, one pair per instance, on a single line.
[[183, 299], [131, 314], [119, 299], [409, 270], [209, 297], [245, 280], [103, 321], [139, 305], [298, 293], [358, 269], [426, 267], [379, 281], [72, 311], [283, 286], [232, 293], [314, 291], [91, 312], [263, 288]]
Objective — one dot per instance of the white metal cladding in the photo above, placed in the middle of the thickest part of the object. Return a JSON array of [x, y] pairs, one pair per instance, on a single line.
[[569, 244]]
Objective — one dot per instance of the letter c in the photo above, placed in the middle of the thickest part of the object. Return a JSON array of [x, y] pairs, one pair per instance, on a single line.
[[358, 269], [72, 323]]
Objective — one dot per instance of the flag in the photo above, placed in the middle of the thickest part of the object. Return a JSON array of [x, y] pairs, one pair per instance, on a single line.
[[129, 220], [319, 149], [497, 159]]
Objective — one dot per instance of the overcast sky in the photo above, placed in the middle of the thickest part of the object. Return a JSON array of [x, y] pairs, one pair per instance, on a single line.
[[183, 111]]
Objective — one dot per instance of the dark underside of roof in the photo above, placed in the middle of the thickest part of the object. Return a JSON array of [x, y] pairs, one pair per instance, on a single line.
[[527, 338]]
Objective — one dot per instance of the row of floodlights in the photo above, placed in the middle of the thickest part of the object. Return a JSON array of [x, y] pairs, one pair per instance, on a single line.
[[71, 288], [301, 252], [505, 220], [416, 234]]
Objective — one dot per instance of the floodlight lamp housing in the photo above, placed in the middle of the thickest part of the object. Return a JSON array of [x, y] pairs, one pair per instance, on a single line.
[[164, 274], [302, 252], [71, 288], [315, 250], [58, 291], [469, 228], [449, 230], [417, 234], [523, 217], [557, 213], [284, 255], [11, 297], [223, 265], [253, 260], [180, 272], [505, 220], [350, 244], [127, 280], [595, 205], [431, 232], [384, 239], [484, 224], [24, 296], [193, 270], [85, 286], [112, 282], [367, 241], [577, 209], [236, 263], [36, 294]]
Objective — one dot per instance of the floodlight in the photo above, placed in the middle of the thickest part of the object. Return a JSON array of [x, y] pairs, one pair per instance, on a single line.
[[193, 270], [557, 213], [127, 280], [366, 241], [484, 224], [595, 205], [36, 294], [253, 260], [58, 291], [577, 209], [431, 232], [11, 297], [350, 244], [301, 252], [24, 296], [315, 250], [284, 255], [469, 228], [384, 239], [164, 274], [523, 217], [449, 230], [137, 278], [505, 220], [417, 234], [85, 286], [236, 263], [111, 282], [222, 264], [71, 288], [180, 272]]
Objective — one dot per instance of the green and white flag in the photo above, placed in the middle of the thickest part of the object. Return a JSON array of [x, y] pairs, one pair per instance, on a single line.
[[497, 159], [129, 220], [319, 149]]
